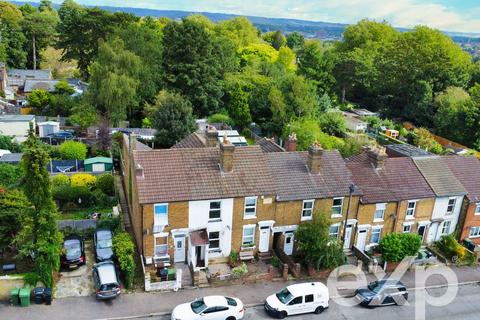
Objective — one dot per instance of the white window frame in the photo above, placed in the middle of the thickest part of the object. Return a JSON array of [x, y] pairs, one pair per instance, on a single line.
[[449, 212], [159, 220], [155, 245], [374, 229], [250, 215], [337, 215], [407, 228], [379, 207], [214, 239], [307, 213], [410, 213], [248, 243], [334, 235], [477, 209], [210, 210], [474, 232], [449, 223]]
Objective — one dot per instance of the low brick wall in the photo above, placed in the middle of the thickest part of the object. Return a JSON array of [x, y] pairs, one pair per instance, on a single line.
[[9, 282], [319, 274], [294, 268]]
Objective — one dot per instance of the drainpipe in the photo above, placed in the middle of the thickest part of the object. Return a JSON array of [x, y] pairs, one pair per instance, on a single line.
[[395, 218], [351, 189]]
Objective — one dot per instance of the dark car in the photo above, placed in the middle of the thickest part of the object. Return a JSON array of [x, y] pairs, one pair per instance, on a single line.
[[61, 135], [105, 280], [73, 252], [382, 293], [103, 244]]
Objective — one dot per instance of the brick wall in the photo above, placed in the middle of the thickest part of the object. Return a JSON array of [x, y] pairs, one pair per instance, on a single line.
[[471, 220]]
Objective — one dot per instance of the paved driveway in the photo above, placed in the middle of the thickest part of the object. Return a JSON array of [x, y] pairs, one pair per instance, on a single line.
[[78, 282]]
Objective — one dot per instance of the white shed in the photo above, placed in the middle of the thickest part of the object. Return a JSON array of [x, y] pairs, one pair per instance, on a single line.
[[48, 127], [16, 125]]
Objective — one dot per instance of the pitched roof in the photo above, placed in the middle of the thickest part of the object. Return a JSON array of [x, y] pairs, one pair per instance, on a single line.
[[439, 176], [183, 174], [467, 171], [398, 179], [193, 140], [34, 84], [30, 74], [11, 158], [268, 145], [98, 160], [293, 181], [16, 117]]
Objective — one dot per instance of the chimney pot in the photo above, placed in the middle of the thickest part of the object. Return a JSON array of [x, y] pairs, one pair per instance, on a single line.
[[377, 157], [291, 143], [227, 150], [314, 161], [212, 135]]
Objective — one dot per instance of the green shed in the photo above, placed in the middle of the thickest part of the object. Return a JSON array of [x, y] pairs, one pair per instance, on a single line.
[[98, 164]]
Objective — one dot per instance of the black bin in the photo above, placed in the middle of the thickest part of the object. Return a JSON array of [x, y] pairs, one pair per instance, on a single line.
[[38, 295], [47, 296]]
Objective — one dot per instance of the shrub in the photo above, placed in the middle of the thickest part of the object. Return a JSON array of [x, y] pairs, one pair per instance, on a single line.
[[112, 223], [220, 118], [10, 175], [333, 123], [69, 194], [124, 251], [276, 262], [60, 180], [83, 180], [105, 182], [396, 246], [240, 271], [71, 150], [234, 258]]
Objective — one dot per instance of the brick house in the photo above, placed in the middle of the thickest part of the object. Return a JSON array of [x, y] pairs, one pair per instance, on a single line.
[[467, 171], [396, 197]]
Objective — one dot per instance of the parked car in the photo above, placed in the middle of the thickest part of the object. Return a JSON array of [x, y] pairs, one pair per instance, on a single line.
[[382, 293], [210, 308], [61, 135], [102, 239], [297, 299], [73, 254], [105, 280]]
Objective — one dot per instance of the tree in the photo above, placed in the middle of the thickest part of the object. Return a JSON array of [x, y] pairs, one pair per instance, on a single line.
[[73, 150], [315, 243], [84, 114], [236, 102], [424, 139], [396, 246], [239, 30], [333, 123], [13, 205], [307, 131], [191, 66], [295, 40], [172, 117], [39, 236], [12, 38], [114, 81], [275, 38], [10, 175], [62, 87], [39, 99], [8, 143]]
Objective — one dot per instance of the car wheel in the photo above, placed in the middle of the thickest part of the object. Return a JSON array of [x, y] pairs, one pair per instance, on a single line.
[[282, 315], [231, 318], [319, 310]]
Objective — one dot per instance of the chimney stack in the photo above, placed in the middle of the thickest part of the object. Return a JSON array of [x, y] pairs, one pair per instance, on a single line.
[[314, 160], [212, 136], [139, 173], [291, 143], [377, 157], [227, 149]]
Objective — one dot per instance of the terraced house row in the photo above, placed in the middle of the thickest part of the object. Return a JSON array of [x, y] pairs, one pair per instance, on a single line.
[[202, 199]]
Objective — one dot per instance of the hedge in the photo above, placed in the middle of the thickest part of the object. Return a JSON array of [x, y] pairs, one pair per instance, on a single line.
[[396, 246], [106, 184], [83, 180], [124, 250]]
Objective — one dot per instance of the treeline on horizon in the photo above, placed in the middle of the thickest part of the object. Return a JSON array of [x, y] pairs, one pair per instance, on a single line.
[[162, 73]]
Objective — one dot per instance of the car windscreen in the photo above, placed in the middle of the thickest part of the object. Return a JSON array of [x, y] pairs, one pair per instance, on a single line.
[[72, 248], [284, 296], [198, 306], [104, 240], [375, 287], [109, 287]]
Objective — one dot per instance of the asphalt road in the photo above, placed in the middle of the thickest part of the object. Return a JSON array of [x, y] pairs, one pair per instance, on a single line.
[[466, 306]]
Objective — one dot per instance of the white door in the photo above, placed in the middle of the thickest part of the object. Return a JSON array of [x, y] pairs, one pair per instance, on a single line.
[[431, 232], [348, 237], [361, 239], [421, 231], [264, 239], [179, 253], [288, 246], [98, 167]]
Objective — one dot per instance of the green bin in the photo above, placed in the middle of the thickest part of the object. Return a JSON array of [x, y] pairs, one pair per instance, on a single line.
[[24, 295], [172, 274], [14, 297]]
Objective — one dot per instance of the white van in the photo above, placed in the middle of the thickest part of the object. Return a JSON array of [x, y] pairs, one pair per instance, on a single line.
[[297, 299]]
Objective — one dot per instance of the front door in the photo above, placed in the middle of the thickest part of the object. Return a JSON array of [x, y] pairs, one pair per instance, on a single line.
[[361, 239], [421, 231], [432, 231], [348, 237], [179, 253], [264, 239], [288, 246]]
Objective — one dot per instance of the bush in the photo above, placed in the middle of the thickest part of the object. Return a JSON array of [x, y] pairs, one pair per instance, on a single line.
[[333, 123], [396, 246], [105, 182], [8, 143], [124, 251], [352, 146], [220, 118], [276, 262], [240, 271], [70, 194], [234, 258], [83, 180], [10, 175], [112, 223], [71, 150], [60, 180]]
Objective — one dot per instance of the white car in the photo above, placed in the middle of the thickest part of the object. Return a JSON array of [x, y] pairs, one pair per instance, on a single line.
[[210, 308], [297, 299]]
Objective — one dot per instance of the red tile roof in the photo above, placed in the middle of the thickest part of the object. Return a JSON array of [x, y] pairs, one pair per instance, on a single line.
[[467, 171]]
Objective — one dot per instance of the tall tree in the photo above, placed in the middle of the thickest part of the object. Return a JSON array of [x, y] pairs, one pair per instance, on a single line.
[[295, 40], [315, 64], [12, 38]]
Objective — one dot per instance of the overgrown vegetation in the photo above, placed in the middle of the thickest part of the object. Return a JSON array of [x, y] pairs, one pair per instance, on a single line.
[[396, 246], [454, 251], [124, 251]]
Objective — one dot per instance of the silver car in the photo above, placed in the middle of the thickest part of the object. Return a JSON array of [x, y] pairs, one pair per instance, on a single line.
[[105, 280]]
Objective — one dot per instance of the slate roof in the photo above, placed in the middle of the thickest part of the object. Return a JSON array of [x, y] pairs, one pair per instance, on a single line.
[[269, 145], [34, 84], [398, 179], [11, 158], [439, 177], [467, 171], [16, 117], [293, 181], [405, 150], [182, 174], [193, 140], [29, 73]]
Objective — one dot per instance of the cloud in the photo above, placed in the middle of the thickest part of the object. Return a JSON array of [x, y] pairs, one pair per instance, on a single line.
[[401, 13]]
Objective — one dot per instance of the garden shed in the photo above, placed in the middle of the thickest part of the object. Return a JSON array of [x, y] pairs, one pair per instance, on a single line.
[[98, 164], [48, 127]]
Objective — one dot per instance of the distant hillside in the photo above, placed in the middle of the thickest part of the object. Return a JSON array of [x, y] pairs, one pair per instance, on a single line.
[[310, 29]]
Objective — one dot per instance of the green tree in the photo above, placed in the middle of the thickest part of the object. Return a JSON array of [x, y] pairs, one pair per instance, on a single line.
[[39, 236], [84, 114], [315, 243], [307, 130], [275, 38], [333, 123], [191, 66], [73, 150], [39, 99], [8, 143], [172, 116], [12, 43], [62, 87], [239, 30], [13, 205], [10, 175], [396, 246], [236, 102], [295, 40], [424, 139]]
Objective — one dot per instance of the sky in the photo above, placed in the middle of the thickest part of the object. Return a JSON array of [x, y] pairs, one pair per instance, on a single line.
[[447, 15]]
